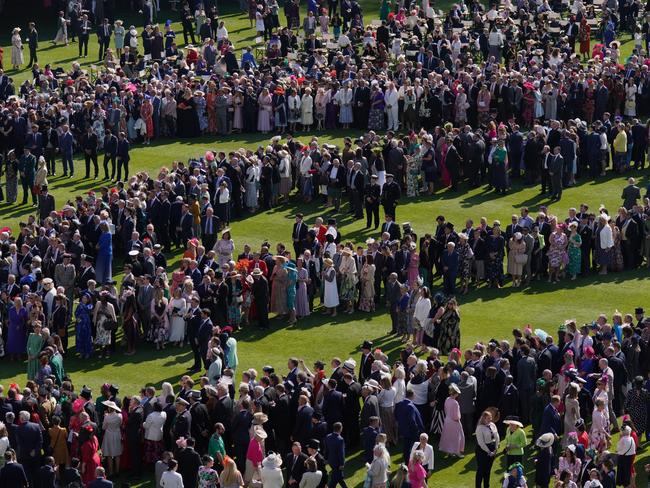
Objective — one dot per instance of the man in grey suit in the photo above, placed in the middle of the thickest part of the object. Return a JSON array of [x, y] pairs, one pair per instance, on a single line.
[[29, 443], [65, 274], [370, 406], [631, 194], [144, 299], [526, 378]]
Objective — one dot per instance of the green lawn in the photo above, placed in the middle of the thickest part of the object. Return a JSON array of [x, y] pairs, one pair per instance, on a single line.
[[485, 313]]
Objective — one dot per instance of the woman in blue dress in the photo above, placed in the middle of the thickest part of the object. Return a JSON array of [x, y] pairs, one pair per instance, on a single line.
[[103, 268], [496, 251], [17, 331], [292, 280], [118, 37], [84, 338]]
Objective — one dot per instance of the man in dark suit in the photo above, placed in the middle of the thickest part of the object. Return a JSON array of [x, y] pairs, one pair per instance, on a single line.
[[372, 195], [302, 425], [134, 432], [12, 475], [89, 144], [29, 442], [241, 423], [356, 188], [110, 153], [200, 427], [370, 406], [189, 462], [205, 333], [390, 194], [335, 452], [46, 203], [209, 229], [46, 477], [365, 366], [32, 34], [333, 404], [104, 32], [123, 156], [260, 291], [409, 423], [186, 225], [551, 418], [361, 104], [299, 235], [193, 319], [295, 465], [100, 480], [391, 227]]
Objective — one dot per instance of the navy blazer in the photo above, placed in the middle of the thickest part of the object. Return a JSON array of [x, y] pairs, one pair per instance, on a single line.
[[101, 483], [29, 439], [550, 421], [302, 427], [13, 474], [409, 420], [335, 450]]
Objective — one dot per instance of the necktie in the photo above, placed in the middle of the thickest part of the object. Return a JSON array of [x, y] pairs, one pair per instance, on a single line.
[[209, 226]]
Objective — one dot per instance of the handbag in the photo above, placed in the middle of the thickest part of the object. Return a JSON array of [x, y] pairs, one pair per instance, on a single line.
[[521, 258], [110, 325]]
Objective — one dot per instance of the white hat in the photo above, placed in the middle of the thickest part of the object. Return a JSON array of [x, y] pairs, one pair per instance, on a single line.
[[272, 461], [350, 364]]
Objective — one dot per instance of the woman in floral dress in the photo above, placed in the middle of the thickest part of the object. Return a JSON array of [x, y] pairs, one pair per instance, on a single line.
[[264, 115], [159, 329], [575, 255], [496, 250], [449, 328], [367, 290], [414, 264], [348, 271], [557, 244], [211, 107], [146, 112], [279, 280], [234, 299], [413, 164], [200, 103], [103, 312], [617, 253], [465, 256], [238, 114]]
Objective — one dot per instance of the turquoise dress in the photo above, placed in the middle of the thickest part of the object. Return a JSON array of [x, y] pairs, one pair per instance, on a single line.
[[575, 255], [292, 274], [118, 37]]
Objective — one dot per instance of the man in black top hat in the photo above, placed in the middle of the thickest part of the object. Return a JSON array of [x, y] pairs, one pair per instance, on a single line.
[[390, 194], [46, 203], [639, 315], [365, 366], [371, 197], [313, 449]]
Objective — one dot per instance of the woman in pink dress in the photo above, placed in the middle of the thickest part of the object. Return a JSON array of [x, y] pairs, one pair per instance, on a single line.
[[265, 103], [444, 173], [146, 112], [452, 438], [414, 264]]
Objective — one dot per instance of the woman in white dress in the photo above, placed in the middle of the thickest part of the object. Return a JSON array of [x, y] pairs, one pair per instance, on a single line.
[[331, 291], [171, 478], [293, 102], [16, 49], [630, 98], [177, 309], [344, 98], [307, 109], [311, 478], [112, 439], [252, 178], [62, 32], [224, 248], [271, 472]]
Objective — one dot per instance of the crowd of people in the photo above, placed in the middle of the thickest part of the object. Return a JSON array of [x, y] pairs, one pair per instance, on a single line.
[[475, 96]]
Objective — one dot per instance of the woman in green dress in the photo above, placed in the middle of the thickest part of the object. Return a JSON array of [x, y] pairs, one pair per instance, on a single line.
[[575, 255], [34, 346], [384, 10], [500, 167]]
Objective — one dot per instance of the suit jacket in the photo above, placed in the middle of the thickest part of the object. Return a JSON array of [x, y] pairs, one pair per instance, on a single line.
[[302, 426], [189, 463], [550, 421], [29, 439], [369, 409], [241, 423], [335, 450], [13, 475], [393, 229], [295, 467], [46, 205], [46, 477], [408, 418], [333, 407], [365, 367], [101, 483]]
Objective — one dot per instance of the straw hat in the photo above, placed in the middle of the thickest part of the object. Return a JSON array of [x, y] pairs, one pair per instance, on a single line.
[[258, 431], [111, 404], [545, 440], [260, 418], [328, 262]]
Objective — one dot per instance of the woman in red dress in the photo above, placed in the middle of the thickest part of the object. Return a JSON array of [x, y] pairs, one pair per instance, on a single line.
[[584, 34], [146, 112], [211, 107], [90, 459]]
